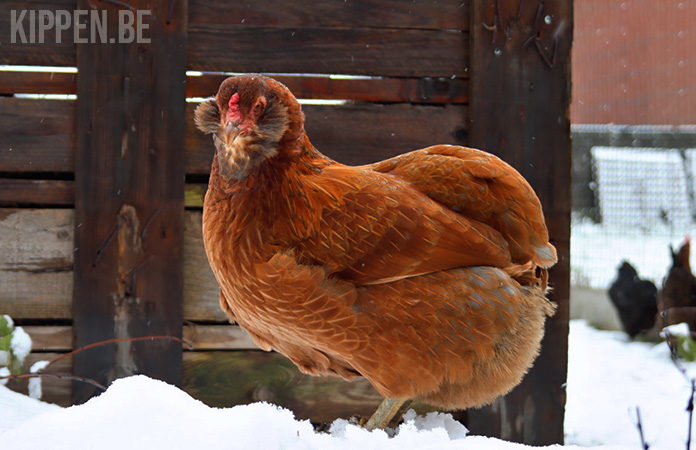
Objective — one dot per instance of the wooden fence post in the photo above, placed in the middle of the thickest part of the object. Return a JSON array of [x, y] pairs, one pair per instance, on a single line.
[[129, 190], [520, 96]]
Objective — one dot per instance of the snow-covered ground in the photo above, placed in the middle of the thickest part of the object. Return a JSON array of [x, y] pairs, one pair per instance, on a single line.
[[608, 377]]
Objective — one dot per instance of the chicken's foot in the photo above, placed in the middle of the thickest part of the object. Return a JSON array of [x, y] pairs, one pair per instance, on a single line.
[[388, 414]]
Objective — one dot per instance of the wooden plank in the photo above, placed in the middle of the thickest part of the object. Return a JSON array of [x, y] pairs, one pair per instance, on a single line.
[[376, 90], [50, 52], [445, 14], [201, 291], [37, 135], [59, 338], [29, 145], [19, 192], [194, 195], [36, 266], [36, 263], [358, 133], [28, 192], [37, 82], [129, 205], [320, 50], [218, 337], [379, 90], [230, 378], [520, 96], [224, 379], [50, 338]]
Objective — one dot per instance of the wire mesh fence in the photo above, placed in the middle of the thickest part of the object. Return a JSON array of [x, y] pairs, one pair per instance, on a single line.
[[638, 201]]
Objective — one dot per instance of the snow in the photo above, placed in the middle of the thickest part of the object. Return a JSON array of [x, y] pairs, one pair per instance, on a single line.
[[609, 376], [10, 322], [21, 344], [35, 390], [16, 409], [679, 329]]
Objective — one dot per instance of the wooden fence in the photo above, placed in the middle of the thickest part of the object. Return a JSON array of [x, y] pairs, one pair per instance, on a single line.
[[101, 194]]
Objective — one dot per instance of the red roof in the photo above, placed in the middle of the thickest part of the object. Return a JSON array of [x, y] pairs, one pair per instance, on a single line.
[[634, 62]]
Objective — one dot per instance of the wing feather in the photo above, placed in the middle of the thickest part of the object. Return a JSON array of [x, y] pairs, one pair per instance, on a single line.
[[381, 229], [482, 187]]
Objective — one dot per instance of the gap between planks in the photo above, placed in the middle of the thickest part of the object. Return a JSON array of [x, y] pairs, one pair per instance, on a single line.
[[429, 90]]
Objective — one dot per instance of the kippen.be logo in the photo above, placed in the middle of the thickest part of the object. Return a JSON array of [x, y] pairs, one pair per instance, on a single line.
[[89, 26]]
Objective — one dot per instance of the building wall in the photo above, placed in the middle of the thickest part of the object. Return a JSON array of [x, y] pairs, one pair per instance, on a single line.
[[634, 62]]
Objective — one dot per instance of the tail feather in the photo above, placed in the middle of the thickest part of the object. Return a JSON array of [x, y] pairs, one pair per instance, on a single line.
[[529, 274]]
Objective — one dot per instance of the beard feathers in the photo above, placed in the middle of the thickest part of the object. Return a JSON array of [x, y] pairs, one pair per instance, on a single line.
[[246, 152]]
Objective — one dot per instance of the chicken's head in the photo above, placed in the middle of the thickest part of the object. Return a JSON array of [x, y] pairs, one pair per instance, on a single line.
[[250, 118]]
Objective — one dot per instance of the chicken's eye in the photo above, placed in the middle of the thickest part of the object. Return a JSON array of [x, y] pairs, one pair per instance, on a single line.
[[259, 107]]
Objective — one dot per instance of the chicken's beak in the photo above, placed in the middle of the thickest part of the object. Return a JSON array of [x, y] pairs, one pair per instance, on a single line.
[[230, 133]]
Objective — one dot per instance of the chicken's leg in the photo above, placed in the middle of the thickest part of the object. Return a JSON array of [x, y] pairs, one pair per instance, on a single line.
[[388, 414]]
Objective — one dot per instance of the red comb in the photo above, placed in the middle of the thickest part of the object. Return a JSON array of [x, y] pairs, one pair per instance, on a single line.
[[234, 100]]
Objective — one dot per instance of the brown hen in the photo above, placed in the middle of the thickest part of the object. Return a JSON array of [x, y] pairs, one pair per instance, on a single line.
[[676, 301], [424, 273]]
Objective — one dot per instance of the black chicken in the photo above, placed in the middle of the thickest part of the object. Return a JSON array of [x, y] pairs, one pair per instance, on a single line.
[[635, 300]]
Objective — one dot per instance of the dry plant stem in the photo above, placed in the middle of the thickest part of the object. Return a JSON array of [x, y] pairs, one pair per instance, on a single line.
[[388, 414], [690, 408], [113, 341], [60, 376], [639, 424], [87, 347], [674, 353]]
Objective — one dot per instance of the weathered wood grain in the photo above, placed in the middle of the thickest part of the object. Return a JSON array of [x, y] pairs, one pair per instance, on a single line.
[[50, 338], [520, 97], [37, 82], [129, 185], [322, 50], [201, 291], [54, 390], [28, 192], [445, 14], [36, 263], [358, 133], [46, 53], [20, 192], [350, 133], [376, 90], [36, 266], [226, 379], [366, 22], [37, 135], [218, 337], [59, 338]]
